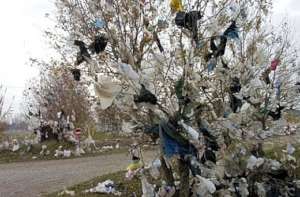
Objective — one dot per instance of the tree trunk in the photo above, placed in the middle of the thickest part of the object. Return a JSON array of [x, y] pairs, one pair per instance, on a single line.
[[184, 187], [167, 173]]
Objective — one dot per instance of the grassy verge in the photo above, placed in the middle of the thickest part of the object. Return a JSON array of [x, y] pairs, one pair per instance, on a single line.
[[272, 148], [125, 186], [22, 155]]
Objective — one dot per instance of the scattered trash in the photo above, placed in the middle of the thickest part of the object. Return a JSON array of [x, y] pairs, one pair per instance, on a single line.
[[16, 145], [147, 188], [67, 192], [202, 187], [67, 153], [106, 187]]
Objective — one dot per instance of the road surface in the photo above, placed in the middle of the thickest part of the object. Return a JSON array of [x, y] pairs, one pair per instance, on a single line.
[[32, 179]]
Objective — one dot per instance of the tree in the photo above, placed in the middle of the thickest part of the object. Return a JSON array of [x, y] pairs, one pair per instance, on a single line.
[[58, 91], [4, 110], [201, 68]]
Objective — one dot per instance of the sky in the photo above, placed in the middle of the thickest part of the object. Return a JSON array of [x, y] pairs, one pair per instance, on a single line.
[[21, 37]]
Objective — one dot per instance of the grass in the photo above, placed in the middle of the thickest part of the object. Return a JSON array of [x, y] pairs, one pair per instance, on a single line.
[[125, 186], [22, 155], [7, 156], [101, 139], [273, 149]]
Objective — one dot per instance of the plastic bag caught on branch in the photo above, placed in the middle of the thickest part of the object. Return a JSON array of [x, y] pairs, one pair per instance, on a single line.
[[76, 74], [106, 91], [145, 96], [232, 31], [83, 52], [98, 45], [176, 5], [128, 72]]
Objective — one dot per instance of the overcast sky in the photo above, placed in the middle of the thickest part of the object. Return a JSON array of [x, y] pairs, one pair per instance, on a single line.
[[22, 23]]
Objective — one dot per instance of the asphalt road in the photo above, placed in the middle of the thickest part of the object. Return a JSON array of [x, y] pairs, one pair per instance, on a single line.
[[31, 179]]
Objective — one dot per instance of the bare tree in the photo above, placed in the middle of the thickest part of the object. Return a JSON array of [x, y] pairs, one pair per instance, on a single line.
[[58, 91], [4, 110], [200, 67]]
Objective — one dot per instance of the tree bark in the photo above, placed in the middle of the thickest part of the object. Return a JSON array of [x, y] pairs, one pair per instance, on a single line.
[[167, 173], [184, 187]]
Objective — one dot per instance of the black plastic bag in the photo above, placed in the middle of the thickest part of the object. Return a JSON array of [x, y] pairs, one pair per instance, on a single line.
[[83, 53], [277, 114], [180, 19], [235, 103], [209, 155], [232, 31], [145, 96], [76, 74], [189, 20], [235, 85], [98, 45]]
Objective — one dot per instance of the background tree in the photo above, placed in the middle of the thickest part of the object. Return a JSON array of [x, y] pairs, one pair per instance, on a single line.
[[58, 91], [4, 110]]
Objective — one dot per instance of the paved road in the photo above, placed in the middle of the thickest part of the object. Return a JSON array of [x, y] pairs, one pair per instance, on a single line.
[[31, 179]]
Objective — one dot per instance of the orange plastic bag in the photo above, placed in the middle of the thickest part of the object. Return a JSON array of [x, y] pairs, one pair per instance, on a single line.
[[176, 5]]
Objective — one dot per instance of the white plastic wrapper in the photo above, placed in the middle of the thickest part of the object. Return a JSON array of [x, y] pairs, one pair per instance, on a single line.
[[106, 91], [192, 132], [203, 187], [128, 72]]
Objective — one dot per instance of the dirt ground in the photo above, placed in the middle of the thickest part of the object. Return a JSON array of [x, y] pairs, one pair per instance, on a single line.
[[33, 179]]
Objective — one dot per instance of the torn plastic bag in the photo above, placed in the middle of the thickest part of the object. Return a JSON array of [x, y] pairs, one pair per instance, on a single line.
[[274, 64], [290, 149], [83, 52], [99, 24], [76, 74], [254, 162], [277, 114], [107, 187], [16, 145], [277, 86], [98, 45], [235, 103], [203, 187], [189, 20], [212, 143], [127, 71], [217, 50], [147, 188], [176, 5], [208, 155], [232, 31], [145, 96], [191, 132], [166, 191], [173, 143], [135, 165], [154, 169], [106, 92], [180, 19], [235, 86], [67, 153], [211, 65]]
